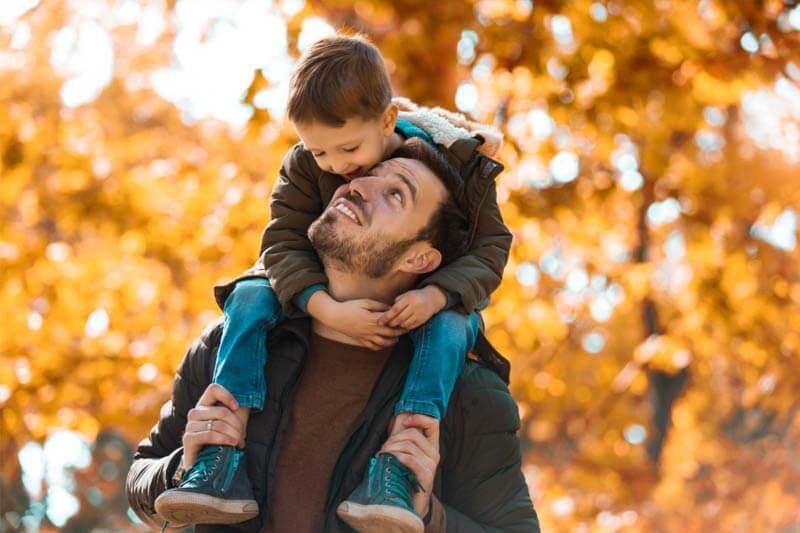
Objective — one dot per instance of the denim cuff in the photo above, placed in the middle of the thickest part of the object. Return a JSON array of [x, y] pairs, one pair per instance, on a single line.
[[418, 407], [254, 402], [452, 298], [301, 300]]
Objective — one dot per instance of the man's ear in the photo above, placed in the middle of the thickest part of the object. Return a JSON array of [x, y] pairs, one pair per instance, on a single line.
[[421, 259], [389, 118]]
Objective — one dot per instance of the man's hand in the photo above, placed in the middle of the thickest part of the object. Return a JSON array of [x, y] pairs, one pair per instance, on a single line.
[[413, 308], [226, 428], [358, 319], [417, 447]]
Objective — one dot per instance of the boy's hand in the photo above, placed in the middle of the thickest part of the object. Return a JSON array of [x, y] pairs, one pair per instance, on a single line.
[[413, 308], [359, 319]]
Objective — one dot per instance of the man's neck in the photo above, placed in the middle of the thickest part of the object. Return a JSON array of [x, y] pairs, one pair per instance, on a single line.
[[343, 286]]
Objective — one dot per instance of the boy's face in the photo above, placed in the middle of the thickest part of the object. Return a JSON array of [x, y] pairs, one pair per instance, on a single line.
[[349, 150]]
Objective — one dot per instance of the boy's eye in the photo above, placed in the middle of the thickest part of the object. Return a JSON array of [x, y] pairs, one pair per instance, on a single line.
[[398, 195], [318, 154], [353, 149]]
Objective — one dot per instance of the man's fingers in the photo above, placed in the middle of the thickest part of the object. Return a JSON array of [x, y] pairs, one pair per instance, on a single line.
[[427, 424], [205, 413], [412, 448], [415, 438], [423, 469], [219, 426], [205, 438], [217, 393]]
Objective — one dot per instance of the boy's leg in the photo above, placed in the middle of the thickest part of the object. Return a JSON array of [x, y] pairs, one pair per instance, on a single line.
[[250, 311], [216, 489], [383, 500], [440, 351]]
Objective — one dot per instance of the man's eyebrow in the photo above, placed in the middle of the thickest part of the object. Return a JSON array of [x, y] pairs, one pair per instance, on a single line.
[[410, 185]]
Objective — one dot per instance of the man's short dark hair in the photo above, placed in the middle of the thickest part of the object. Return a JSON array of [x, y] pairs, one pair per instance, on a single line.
[[338, 78], [448, 228]]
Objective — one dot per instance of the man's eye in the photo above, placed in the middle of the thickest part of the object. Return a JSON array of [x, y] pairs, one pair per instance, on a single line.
[[320, 154], [397, 194], [353, 149]]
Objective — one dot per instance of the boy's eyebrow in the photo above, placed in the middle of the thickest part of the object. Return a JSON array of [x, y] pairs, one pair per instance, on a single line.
[[340, 145]]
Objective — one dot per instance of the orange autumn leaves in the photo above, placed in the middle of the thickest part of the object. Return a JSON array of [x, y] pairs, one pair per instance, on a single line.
[[118, 217]]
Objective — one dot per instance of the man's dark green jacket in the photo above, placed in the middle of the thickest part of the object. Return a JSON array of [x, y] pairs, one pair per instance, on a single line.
[[479, 480]]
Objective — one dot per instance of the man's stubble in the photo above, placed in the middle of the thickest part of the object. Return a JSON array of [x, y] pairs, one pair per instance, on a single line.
[[372, 257]]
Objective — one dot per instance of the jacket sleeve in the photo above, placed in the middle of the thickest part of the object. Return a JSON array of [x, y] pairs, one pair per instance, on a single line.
[[158, 456], [291, 262], [483, 486], [475, 275]]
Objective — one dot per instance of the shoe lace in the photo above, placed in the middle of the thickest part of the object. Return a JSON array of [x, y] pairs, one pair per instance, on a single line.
[[399, 480], [204, 464]]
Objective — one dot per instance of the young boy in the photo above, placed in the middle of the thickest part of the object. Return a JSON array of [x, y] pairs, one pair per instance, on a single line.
[[341, 107]]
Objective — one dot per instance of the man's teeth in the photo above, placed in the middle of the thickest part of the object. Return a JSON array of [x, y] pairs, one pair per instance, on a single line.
[[347, 211]]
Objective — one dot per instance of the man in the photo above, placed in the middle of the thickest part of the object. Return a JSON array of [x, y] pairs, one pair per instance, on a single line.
[[330, 402]]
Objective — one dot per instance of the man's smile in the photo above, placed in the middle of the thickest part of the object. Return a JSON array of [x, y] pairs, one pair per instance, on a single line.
[[347, 209]]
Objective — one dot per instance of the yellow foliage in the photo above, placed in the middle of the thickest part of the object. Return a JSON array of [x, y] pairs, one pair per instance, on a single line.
[[117, 216]]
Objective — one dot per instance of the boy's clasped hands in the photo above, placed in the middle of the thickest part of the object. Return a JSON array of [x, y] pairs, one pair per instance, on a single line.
[[374, 324]]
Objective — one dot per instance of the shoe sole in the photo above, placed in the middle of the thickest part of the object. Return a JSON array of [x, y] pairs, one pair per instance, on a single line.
[[189, 508], [383, 518]]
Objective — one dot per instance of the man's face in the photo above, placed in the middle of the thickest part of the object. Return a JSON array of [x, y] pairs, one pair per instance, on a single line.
[[371, 221]]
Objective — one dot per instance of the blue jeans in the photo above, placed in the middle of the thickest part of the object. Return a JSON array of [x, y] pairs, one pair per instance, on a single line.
[[440, 351], [252, 309]]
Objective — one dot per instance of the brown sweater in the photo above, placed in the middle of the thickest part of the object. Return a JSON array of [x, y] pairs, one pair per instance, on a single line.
[[333, 390]]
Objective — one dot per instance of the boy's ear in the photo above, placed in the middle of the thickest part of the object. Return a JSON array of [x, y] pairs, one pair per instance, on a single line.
[[390, 118], [421, 259]]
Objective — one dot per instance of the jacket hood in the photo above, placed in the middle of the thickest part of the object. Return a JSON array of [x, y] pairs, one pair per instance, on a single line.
[[446, 127]]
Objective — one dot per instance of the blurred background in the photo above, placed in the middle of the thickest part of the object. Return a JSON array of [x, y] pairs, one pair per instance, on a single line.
[[650, 308]]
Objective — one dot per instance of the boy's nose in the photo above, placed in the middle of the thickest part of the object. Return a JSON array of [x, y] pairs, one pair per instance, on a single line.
[[338, 168]]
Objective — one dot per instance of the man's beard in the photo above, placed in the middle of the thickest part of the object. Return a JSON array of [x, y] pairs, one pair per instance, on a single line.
[[373, 257]]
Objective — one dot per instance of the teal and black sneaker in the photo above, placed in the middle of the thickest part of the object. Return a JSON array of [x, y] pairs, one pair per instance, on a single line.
[[216, 490], [382, 502]]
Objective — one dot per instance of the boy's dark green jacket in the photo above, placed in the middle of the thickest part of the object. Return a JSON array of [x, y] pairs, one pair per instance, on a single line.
[[303, 190]]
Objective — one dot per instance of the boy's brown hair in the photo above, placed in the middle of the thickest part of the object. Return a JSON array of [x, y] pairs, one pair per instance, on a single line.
[[337, 78]]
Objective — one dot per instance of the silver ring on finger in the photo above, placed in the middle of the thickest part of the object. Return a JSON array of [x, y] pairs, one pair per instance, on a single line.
[[209, 425]]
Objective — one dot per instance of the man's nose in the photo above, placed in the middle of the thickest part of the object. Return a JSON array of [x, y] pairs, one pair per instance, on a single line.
[[360, 187]]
